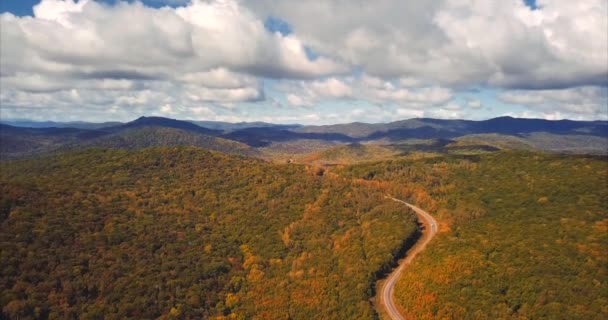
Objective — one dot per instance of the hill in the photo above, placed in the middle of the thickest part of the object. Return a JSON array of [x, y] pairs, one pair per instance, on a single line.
[[185, 233], [55, 124], [229, 126], [426, 128], [164, 123], [19, 142], [292, 141], [351, 153], [536, 134], [523, 235], [264, 137], [151, 136]]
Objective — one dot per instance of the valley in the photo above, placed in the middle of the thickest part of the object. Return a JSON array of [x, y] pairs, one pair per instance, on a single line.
[[303, 160], [217, 223], [521, 235]]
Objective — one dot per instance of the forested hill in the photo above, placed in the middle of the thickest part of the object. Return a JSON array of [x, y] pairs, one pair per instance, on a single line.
[[183, 233], [17, 142], [523, 235], [442, 128], [587, 137]]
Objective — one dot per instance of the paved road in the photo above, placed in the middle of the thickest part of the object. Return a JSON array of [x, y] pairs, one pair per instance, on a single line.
[[431, 228]]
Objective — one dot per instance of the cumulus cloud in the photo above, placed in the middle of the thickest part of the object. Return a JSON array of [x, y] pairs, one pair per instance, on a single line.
[[577, 103], [204, 51], [445, 113], [460, 42], [199, 57], [474, 103], [216, 49], [89, 38], [298, 101], [366, 88], [123, 100]]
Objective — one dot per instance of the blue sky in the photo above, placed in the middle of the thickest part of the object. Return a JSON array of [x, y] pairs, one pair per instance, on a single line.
[[24, 7], [318, 62]]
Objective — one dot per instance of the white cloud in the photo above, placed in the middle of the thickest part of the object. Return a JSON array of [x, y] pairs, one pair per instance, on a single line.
[[128, 55], [450, 110], [90, 38], [420, 96], [409, 113], [216, 45], [297, 101], [331, 87], [198, 94], [459, 42], [411, 57], [445, 113], [576, 103], [366, 88], [36, 82], [474, 103], [538, 115], [166, 109], [218, 78], [91, 103]]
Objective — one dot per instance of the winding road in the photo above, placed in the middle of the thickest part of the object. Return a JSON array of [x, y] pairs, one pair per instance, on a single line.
[[430, 230]]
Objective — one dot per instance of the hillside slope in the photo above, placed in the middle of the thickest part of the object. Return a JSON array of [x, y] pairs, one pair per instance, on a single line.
[[425, 128], [524, 235], [19, 142], [145, 137], [164, 123], [170, 233], [292, 141]]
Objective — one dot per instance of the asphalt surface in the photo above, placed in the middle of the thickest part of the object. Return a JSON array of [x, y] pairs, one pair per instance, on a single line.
[[430, 230]]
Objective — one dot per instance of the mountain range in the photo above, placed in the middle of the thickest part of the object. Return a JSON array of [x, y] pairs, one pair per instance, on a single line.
[[24, 138], [139, 220]]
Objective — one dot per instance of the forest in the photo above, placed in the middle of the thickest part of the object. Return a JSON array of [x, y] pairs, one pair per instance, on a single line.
[[523, 235], [136, 226], [185, 233]]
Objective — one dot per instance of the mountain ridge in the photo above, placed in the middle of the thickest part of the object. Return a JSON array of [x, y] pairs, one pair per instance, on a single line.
[[546, 135]]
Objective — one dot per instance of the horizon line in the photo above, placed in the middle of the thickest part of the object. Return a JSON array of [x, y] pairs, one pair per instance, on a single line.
[[277, 123]]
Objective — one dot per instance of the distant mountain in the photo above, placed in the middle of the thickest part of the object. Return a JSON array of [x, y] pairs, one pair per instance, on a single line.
[[574, 136], [363, 131], [262, 137], [229, 126], [165, 123], [53, 124], [515, 126], [155, 121], [286, 140], [570, 143], [426, 128], [17, 142], [52, 131], [149, 136]]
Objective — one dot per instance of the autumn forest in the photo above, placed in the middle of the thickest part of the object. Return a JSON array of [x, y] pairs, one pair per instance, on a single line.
[[159, 223], [303, 160]]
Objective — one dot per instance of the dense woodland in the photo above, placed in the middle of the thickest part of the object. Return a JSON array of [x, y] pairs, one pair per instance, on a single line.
[[183, 233], [523, 235], [20, 143]]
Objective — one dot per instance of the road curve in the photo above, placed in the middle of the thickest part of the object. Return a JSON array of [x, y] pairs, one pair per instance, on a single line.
[[430, 230]]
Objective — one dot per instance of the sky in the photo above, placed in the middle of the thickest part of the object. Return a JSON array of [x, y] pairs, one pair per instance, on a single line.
[[308, 62]]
